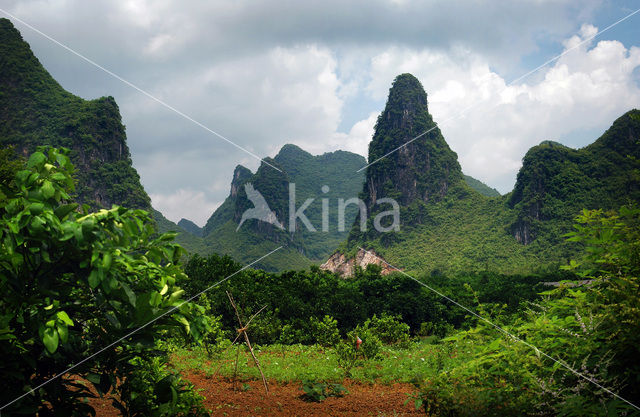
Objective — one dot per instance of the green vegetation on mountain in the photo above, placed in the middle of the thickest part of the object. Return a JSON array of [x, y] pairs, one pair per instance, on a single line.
[[447, 226], [302, 247], [555, 181], [103, 290], [191, 243], [423, 167], [37, 111], [191, 227], [481, 187]]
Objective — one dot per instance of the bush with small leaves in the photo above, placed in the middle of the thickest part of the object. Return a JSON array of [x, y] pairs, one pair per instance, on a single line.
[[325, 331], [318, 391], [389, 329]]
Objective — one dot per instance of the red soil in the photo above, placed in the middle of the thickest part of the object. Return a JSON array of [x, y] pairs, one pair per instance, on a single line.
[[284, 399]]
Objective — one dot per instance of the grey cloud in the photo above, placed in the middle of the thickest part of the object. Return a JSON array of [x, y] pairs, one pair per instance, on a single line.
[[215, 62]]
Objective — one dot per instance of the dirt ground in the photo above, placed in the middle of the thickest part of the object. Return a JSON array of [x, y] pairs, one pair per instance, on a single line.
[[284, 399]]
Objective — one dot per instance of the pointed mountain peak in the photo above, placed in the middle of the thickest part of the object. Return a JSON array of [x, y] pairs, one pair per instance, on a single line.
[[241, 175], [7, 27], [407, 99], [190, 227], [37, 111], [19, 68], [410, 158], [622, 136]]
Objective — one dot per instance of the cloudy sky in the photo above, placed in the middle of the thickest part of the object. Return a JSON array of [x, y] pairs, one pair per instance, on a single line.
[[266, 73]]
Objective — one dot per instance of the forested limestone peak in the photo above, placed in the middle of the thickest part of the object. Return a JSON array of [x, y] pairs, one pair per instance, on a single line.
[[420, 169], [622, 137], [556, 181], [290, 151], [35, 110]]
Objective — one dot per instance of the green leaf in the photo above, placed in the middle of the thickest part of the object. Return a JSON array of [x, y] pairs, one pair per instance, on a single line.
[[36, 158], [183, 320], [47, 189], [94, 279], [50, 339], [155, 299], [63, 332], [164, 289], [36, 208], [62, 211], [131, 296], [418, 403], [64, 317], [176, 295], [106, 260]]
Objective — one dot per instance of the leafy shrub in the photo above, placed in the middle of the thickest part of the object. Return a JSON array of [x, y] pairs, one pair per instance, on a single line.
[[325, 331], [317, 391], [73, 283], [440, 329], [348, 352], [265, 328], [152, 390], [389, 329], [371, 344]]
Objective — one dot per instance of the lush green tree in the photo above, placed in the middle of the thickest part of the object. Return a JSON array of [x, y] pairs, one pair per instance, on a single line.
[[86, 291]]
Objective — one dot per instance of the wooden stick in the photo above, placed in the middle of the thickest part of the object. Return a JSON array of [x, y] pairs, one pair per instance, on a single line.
[[243, 331], [235, 371], [234, 342]]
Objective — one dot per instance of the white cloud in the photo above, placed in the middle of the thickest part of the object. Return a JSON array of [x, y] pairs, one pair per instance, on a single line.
[[185, 203], [357, 140], [491, 124], [268, 73]]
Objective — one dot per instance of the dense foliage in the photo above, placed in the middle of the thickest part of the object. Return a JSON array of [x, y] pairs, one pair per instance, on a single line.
[[481, 187], [555, 181], [298, 300], [424, 166], [582, 341], [78, 289]]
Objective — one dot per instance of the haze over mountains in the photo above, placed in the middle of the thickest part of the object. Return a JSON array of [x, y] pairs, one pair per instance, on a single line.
[[449, 221]]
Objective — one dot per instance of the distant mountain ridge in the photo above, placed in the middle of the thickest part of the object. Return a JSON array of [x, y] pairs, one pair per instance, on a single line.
[[449, 221], [191, 227], [308, 173], [481, 187]]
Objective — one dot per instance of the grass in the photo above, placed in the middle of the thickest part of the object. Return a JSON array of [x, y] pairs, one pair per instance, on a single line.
[[295, 363]]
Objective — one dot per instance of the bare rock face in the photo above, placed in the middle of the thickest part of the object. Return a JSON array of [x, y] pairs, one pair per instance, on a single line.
[[338, 263]]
